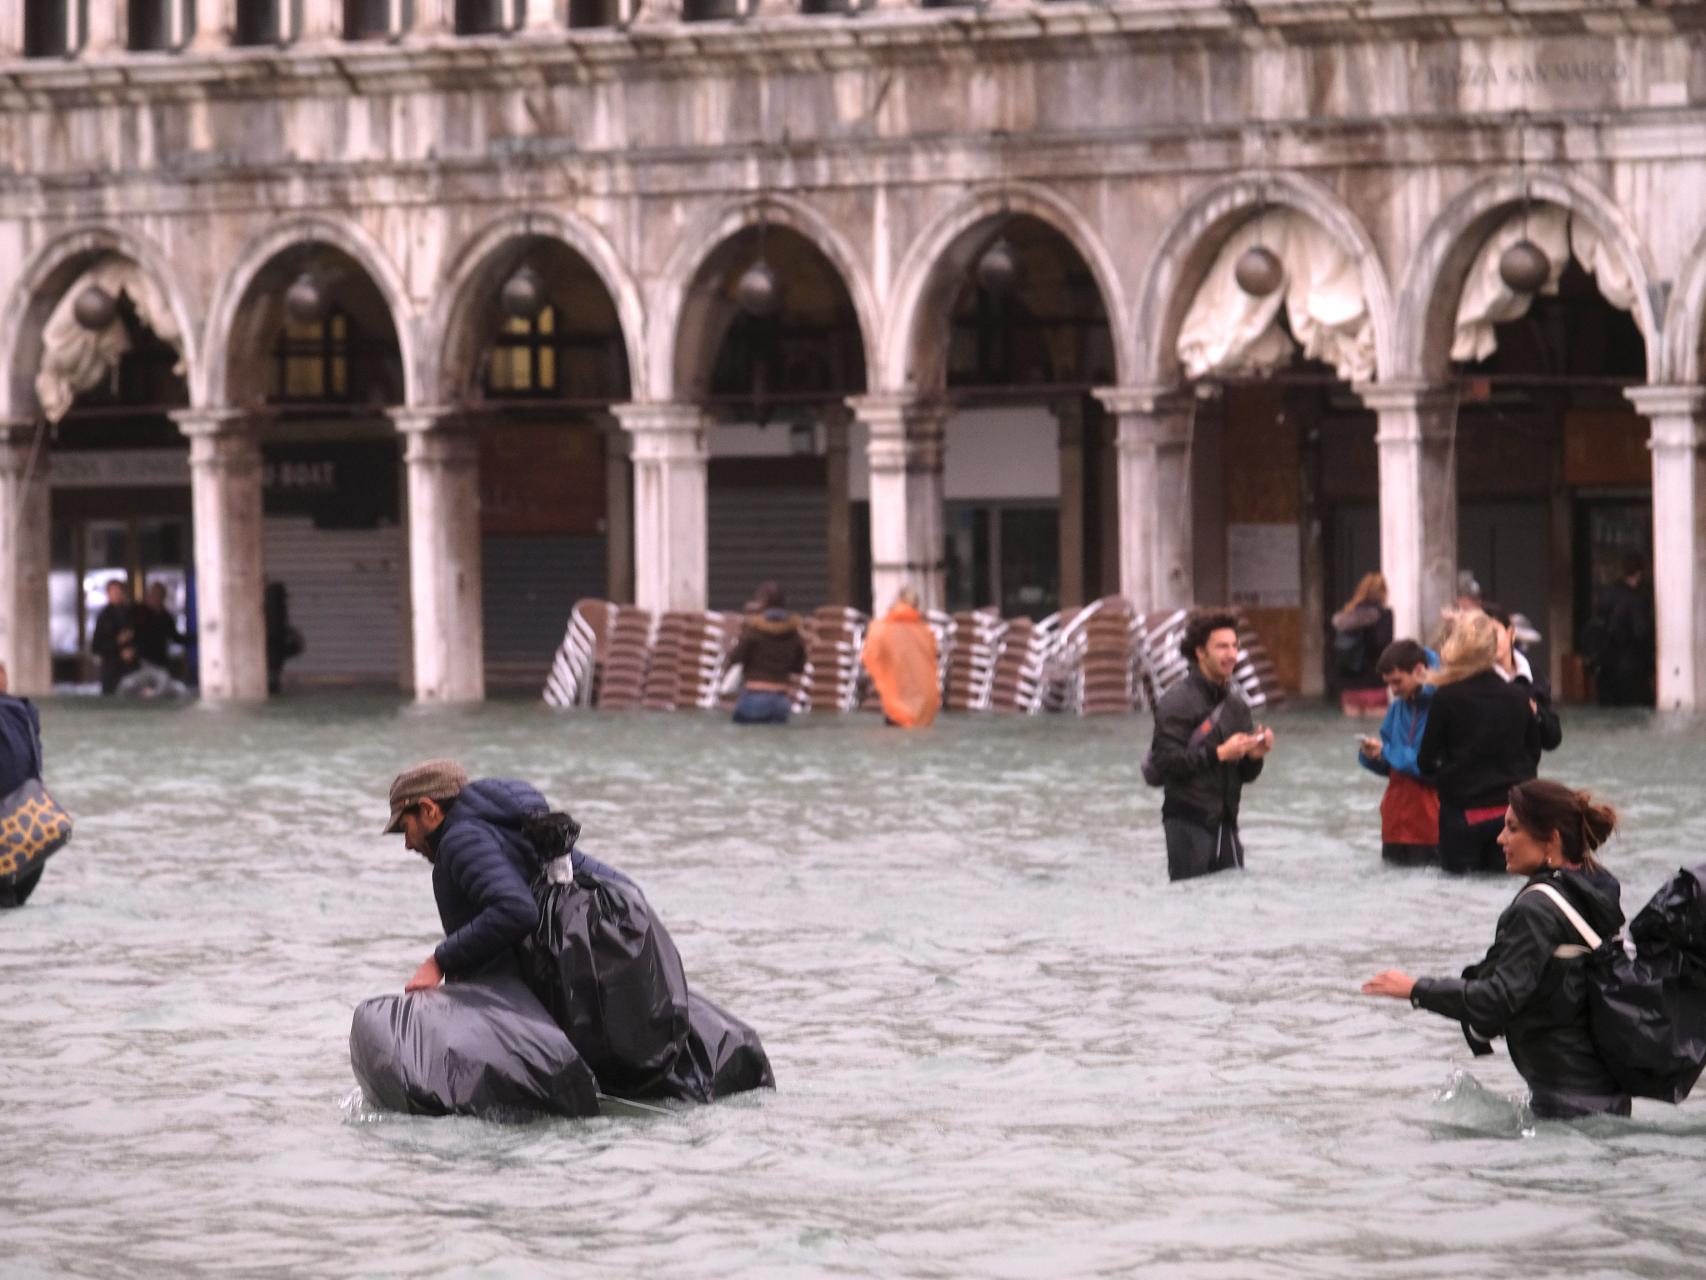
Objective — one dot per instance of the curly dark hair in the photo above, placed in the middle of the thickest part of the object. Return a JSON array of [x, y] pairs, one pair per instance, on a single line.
[[1200, 625]]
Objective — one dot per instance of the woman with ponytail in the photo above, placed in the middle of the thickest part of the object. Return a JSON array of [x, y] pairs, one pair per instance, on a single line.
[[1482, 738], [1531, 987]]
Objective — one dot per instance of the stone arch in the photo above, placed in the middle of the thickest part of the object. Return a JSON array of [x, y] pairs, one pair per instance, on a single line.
[[1428, 302], [1188, 247], [702, 240], [930, 277], [43, 281], [445, 329], [214, 387], [1685, 322]]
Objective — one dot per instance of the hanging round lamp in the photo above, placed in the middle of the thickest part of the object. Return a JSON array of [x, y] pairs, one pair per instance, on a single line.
[[523, 296], [95, 308], [1524, 267], [303, 301], [998, 269], [758, 292], [1258, 271]]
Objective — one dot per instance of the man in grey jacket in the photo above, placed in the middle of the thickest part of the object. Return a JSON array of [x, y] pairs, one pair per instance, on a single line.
[[1206, 747]]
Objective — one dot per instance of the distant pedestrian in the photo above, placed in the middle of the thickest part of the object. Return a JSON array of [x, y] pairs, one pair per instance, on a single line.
[[900, 653], [1513, 665], [283, 640], [1409, 811], [1532, 987], [155, 627], [1361, 631], [114, 641], [1206, 747], [1482, 737], [1621, 638], [770, 654]]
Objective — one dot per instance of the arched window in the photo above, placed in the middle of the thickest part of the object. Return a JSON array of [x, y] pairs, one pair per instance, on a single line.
[[524, 356], [53, 28], [376, 19], [486, 17], [159, 26]]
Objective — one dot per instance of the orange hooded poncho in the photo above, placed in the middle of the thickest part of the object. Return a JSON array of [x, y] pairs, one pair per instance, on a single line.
[[900, 654]]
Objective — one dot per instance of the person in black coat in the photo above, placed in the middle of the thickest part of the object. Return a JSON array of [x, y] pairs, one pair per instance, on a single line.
[[114, 641], [1482, 738], [1531, 988], [482, 865], [20, 760], [1621, 639], [1206, 747]]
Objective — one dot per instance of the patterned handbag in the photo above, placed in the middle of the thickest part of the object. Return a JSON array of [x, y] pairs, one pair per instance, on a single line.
[[32, 825]]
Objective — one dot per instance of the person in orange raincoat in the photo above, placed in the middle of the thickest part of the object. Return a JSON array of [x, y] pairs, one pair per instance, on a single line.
[[900, 654]]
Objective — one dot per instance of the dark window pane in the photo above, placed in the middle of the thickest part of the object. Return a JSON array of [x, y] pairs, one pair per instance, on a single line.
[[709, 10], [479, 17], [593, 13], [257, 21], [367, 19], [45, 28], [150, 24]]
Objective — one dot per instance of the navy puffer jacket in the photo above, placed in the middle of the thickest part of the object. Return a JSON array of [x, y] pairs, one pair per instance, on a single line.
[[481, 875]]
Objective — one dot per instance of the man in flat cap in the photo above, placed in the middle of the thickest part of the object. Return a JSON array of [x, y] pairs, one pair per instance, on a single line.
[[482, 864]]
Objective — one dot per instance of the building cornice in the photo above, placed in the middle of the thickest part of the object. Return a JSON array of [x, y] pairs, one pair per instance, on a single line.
[[791, 43]]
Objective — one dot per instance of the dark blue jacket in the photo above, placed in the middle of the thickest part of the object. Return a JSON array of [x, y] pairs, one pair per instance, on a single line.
[[20, 731], [482, 873]]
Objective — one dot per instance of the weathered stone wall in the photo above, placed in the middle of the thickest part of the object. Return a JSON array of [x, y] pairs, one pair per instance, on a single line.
[[1144, 133]]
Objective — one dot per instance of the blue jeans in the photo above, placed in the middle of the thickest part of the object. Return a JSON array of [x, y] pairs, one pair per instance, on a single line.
[[755, 707]]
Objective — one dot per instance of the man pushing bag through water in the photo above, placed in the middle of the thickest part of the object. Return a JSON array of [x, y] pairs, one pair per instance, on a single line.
[[548, 956]]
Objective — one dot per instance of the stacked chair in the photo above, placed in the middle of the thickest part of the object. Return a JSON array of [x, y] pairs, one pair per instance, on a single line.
[[1102, 659]]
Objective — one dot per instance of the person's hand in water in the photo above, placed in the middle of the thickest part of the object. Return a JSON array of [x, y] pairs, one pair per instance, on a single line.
[[428, 976], [1393, 982]]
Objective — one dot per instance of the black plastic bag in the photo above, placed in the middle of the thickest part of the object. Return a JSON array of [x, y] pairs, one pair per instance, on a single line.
[[722, 1056], [484, 1047], [607, 970], [1648, 1012]]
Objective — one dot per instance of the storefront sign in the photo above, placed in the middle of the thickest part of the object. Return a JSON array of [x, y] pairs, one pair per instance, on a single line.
[[120, 469], [1263, 566], [350, 484]]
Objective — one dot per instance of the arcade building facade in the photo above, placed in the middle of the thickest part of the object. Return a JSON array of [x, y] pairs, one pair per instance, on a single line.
[[446, 314]]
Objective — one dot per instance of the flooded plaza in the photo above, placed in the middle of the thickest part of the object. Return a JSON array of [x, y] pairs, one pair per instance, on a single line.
[[1004, 1045]]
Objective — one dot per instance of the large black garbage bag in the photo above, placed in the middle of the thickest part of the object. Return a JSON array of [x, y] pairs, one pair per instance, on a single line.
[[484, 1047], [722, 1056], [1648, 1012], [607, 970]]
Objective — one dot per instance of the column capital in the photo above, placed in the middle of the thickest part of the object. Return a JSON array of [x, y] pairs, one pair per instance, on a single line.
[[638, 418], [1668, 402], [203, 421], [1420, 397], [900, 413], [1159, 398]]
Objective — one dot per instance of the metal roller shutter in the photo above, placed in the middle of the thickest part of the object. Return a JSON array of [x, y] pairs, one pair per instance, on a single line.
[[347, 596], [768, 533], [529, 582]]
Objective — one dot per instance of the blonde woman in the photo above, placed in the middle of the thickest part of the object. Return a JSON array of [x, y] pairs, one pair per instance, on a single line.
[[1361, 632], [1482, 738]]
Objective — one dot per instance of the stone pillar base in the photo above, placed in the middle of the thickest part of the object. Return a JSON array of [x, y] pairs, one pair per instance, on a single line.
[[1153, 448], [907, 536]]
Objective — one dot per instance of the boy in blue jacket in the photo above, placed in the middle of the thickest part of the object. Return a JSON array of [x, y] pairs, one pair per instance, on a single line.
[[1409, 811]]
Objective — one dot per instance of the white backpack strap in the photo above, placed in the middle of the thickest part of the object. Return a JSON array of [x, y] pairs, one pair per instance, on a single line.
[[1570, 913]]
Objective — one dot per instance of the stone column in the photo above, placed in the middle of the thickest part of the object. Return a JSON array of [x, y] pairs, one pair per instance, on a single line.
[[225, 501], [1153, 451], [11, 31], [215, 25], [441, 460], [618, 514], [1069, 414], [670, 537], [837, 419], [907, 538], [541, 17], [433, 18], [1416, 439], [25, 557], [321, 19], [1678, 415], [108, 29]]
